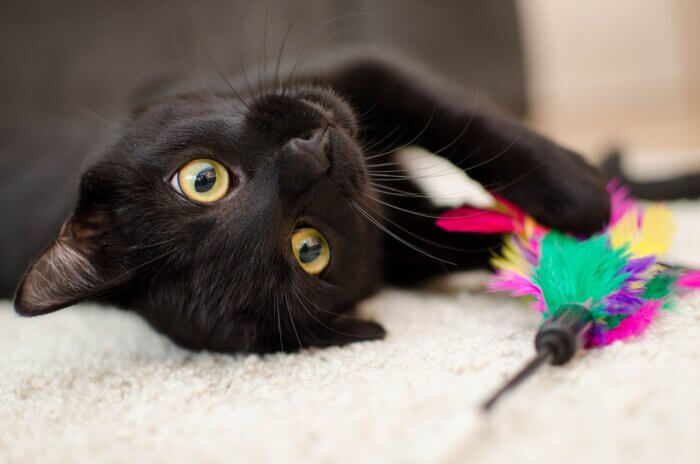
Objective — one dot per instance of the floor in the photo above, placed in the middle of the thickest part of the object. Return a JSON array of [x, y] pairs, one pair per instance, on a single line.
[[92, 384]]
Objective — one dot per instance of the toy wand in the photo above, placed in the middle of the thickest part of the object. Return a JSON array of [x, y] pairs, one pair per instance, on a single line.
[[591, 291], [557, 341]]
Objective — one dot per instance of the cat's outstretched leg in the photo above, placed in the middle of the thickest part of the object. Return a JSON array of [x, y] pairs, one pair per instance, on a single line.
[[553, 184]]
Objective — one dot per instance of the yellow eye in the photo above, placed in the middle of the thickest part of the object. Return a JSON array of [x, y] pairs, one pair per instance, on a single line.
[[311, 250], [202, 181]]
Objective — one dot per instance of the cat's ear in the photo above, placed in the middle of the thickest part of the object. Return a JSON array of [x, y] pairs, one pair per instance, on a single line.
[[69, 270]]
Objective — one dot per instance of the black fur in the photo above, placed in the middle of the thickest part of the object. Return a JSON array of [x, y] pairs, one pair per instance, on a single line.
[[223, 277]]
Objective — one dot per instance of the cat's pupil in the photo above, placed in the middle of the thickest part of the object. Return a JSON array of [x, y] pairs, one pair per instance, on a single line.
[[310, 250], [205, 180]]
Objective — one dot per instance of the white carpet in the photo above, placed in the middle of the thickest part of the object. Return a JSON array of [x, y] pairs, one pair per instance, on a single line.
[[97, 385]]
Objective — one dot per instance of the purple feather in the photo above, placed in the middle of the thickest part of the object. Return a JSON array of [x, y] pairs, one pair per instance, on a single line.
[[530, 256], [624, 301], [635, 267]]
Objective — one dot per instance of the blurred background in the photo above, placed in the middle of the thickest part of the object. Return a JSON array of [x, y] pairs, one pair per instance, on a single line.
[[625, 72], [592, 75]]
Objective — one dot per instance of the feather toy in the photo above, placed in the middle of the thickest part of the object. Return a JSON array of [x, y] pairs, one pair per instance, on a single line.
[[613, 283]]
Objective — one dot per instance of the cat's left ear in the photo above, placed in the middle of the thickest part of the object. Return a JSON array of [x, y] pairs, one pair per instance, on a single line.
[[73, 268]]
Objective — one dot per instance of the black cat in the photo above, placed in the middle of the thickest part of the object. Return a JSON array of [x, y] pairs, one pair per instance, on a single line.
[[258, 223]]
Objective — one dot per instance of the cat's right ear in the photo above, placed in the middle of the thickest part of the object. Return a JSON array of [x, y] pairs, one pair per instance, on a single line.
[[75, 267]]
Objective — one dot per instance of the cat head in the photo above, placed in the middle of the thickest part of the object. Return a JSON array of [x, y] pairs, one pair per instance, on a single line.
[[227, 225]]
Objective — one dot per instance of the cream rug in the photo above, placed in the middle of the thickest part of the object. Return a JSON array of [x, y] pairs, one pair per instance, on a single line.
[[96, 385]]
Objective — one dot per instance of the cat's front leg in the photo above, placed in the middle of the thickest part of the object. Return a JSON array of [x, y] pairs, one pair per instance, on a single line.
[[551, 183]]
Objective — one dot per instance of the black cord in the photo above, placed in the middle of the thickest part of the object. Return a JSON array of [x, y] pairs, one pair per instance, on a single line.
[[541, 358]]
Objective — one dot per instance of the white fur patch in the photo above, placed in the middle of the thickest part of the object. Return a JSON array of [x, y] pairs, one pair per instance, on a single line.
[[446, 184]]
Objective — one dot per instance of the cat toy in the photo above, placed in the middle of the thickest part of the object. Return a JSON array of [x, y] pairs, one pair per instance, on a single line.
[[592, 291]]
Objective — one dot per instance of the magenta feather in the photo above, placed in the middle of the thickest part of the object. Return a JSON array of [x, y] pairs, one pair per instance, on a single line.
[[620, 201], [631, 326], [519, 286], [477, 221], [690, 280]]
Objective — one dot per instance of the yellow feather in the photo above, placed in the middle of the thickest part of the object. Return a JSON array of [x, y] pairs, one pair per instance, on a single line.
[[652, 238], [657, 232], [511, 259], [625, 231]]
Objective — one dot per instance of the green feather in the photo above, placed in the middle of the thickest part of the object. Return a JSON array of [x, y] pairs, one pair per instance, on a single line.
[[661, 286], [573, 271]]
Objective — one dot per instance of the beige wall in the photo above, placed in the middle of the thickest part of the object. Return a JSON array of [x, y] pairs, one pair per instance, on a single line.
[[622, 71]]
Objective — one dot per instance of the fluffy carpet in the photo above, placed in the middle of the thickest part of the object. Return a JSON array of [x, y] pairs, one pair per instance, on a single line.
[[91, 384]]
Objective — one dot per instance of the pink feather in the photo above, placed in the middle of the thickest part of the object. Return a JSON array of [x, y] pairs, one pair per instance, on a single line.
[[690, 280], [478, 221], [513, 211], [632, 326], [620, 201], [518, 286]]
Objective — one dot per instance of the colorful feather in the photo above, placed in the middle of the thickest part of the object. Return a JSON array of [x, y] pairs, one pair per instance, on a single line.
[[617, 274], [473, 220], [690, 281]]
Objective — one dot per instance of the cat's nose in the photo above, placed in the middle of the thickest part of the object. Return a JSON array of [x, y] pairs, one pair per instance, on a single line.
[[305, 160], [311, 145]]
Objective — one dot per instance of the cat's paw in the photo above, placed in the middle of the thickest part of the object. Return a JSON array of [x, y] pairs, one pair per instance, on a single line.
[[562, 191]]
